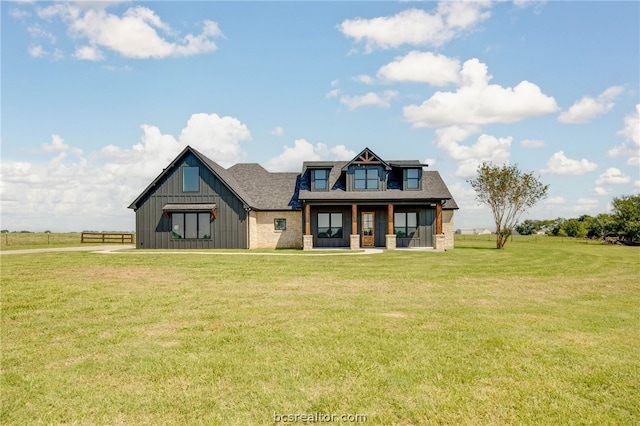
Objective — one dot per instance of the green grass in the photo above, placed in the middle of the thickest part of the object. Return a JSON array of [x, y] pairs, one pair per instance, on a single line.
[[544, 332]]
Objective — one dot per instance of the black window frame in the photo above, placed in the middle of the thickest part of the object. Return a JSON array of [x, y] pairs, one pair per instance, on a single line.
[[334, 230], [404, 230], [279, 224], [416, 179], [202, 229], [187, 181], [315, 178], [371, 180]]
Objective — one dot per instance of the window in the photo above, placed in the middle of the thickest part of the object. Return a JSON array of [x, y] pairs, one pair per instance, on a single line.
[[405, 224], [329, 225], [191, 179], [366, 178], [320, 179], [279, 224], [413, 178], [191, 226]]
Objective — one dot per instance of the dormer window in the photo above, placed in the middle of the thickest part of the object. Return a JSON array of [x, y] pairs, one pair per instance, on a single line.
[[412, 178], [366, 178], [320, 180]]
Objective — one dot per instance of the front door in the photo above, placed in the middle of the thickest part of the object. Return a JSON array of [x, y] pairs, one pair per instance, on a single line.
[[368, 229]]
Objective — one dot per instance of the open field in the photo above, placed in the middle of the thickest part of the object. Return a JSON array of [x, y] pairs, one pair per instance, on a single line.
[[544, 332], [29, 240]]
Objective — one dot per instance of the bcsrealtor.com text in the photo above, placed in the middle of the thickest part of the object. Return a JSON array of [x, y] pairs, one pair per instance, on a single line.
[[318, 418]]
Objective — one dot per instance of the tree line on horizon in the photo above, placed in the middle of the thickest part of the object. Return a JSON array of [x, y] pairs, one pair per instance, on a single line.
[[622, 223]]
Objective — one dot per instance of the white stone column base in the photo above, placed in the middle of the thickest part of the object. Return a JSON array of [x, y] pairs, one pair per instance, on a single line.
[[439, 242], [354, 242], [390, 241], [307, 242]]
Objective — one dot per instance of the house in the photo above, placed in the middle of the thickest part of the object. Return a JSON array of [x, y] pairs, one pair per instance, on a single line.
[[365, 202]]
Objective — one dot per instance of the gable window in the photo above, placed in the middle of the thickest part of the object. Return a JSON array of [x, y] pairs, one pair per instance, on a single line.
[[413, 178], [320, 179], [329, 225], [405, 224], [365, 178], [190, 225], [190, 179], [279, 224]]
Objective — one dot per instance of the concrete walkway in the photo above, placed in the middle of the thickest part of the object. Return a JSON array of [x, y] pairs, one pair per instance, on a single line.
[[129, 249]]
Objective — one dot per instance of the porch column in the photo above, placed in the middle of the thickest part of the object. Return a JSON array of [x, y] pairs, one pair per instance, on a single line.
[[438, 243], [307, 238], [354, 238], [390, 238]]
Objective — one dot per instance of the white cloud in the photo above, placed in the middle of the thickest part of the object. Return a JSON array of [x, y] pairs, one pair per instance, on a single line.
[[89, 53], [554, 201], [421, 67], [382, 100], [76, 192], [57, 145], [588, 205], [532, 143], [291, 158], [560, 165], [363, 78], [600, 191], [476, 102], [139, 33], [334, 93], [36, 51], [469, 157], [277, 131], [631, 146], [588, 108], [415, 26], [612, 176]]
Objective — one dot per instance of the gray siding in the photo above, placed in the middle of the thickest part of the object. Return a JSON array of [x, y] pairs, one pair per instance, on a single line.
[[426, 227], [228, 230]]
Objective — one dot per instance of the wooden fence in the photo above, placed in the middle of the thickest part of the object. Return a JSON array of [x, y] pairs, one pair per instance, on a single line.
[[107, 237]]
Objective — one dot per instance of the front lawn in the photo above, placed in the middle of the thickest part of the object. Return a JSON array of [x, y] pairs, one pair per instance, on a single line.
[[543, 332]]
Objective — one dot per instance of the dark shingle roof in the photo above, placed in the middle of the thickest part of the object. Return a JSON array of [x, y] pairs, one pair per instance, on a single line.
[[263, 190], [268, 191]]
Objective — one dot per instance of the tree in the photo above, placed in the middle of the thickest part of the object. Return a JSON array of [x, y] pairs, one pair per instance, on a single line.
[[508, 192], [574, 228], [528, 227], [626, 217]]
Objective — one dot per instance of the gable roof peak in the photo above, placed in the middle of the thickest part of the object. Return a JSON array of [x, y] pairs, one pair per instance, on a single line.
[[367, 157]]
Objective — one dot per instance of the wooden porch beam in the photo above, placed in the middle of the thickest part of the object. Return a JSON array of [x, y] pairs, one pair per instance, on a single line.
[[390, 219], [438, 217], [354, 219], [307, 219]]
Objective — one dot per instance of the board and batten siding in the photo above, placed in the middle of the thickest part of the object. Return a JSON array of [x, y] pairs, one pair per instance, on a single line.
[[228, 230]]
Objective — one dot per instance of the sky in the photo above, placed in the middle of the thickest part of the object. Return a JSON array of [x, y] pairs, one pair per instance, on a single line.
[[98, 97]]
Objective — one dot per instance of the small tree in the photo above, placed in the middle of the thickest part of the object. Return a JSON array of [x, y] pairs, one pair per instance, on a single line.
[[508, 192]]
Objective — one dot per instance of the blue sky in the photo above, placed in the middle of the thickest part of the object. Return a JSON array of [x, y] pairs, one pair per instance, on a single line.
[[98, 97]]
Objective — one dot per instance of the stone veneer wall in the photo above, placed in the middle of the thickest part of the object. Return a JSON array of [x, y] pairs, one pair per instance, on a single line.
[[262, 234], [447, 228]]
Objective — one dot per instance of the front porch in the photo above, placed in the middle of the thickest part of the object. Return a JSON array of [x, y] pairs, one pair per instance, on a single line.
[[390, 226]]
